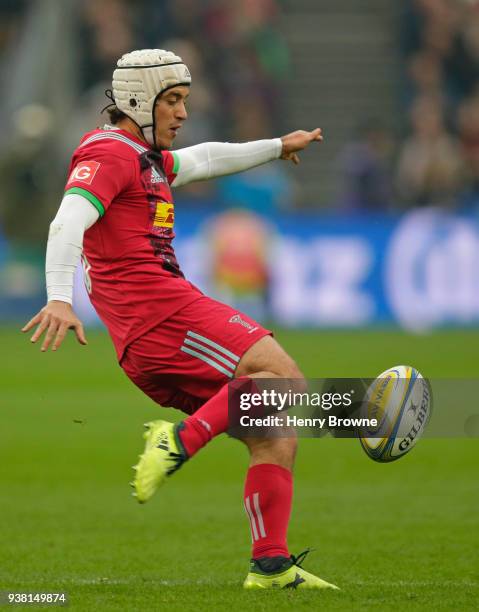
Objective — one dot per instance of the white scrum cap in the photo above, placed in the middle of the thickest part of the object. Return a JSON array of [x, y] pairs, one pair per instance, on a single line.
[[140, 77]]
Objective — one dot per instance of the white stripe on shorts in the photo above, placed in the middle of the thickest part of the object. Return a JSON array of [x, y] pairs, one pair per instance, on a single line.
[[218, 347], [211, 352], [207, 360]]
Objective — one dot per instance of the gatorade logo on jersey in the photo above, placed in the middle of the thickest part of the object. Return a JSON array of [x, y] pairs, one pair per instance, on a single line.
[[85, 172], [164, 215]]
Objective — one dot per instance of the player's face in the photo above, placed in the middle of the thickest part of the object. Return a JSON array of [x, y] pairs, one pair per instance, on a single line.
[[170, 113]]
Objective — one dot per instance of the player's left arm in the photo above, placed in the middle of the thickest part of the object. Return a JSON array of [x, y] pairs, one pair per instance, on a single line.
[[212, 159]]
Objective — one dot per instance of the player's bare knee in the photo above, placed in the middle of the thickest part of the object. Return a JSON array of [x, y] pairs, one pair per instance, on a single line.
[[267, 359], [288, 447], [281, 451], [292, 375], [296, 378], [276, 450]]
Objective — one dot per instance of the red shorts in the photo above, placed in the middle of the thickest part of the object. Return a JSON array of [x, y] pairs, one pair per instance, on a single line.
[[186, 359]]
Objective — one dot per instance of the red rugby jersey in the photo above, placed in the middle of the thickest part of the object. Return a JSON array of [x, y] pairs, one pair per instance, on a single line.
[[131, 271]]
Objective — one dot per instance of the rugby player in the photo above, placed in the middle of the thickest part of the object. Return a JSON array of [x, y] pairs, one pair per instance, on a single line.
[[177, 345]]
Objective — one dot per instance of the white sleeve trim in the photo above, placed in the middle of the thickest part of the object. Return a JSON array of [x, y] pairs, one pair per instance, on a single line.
[[210, 159], [65, 244]]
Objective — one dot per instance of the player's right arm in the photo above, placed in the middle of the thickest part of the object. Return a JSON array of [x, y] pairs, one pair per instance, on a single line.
[[100, 171], [65, 243]]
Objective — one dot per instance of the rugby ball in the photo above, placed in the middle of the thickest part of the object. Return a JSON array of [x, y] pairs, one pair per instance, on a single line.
[[397, 406]]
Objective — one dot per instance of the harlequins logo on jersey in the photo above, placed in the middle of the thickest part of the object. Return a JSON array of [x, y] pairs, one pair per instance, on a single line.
[[237, 319]]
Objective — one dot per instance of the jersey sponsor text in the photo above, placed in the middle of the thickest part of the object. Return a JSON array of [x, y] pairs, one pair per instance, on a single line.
[[164, 214], [84, 171]]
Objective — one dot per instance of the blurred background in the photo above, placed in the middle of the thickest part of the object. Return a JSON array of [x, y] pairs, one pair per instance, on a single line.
[[378, 225], [371, 245]]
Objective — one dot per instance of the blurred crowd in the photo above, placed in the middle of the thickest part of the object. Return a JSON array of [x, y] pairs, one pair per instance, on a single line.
[[431, 157], [231, 47], [440, 159], [240, 64], [235, 52], [238, 60]]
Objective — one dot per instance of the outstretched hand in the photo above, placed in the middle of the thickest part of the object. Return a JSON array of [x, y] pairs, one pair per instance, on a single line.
[[297, 141], [56, 318]]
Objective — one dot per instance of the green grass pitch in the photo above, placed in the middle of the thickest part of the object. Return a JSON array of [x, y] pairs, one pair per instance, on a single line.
[[398, 536]]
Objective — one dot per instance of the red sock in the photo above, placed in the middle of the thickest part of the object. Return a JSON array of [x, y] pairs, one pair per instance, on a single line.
[[212, 418], [207, 422], [268, 494]]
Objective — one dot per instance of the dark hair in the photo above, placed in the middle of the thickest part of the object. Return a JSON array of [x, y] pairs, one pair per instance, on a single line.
[[115, 115]]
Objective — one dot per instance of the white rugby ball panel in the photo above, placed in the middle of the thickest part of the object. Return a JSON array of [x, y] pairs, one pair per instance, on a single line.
[[399, 398]]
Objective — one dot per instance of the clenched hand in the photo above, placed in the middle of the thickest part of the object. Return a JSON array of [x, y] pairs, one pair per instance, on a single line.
[[56, 318], [297, 141]]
